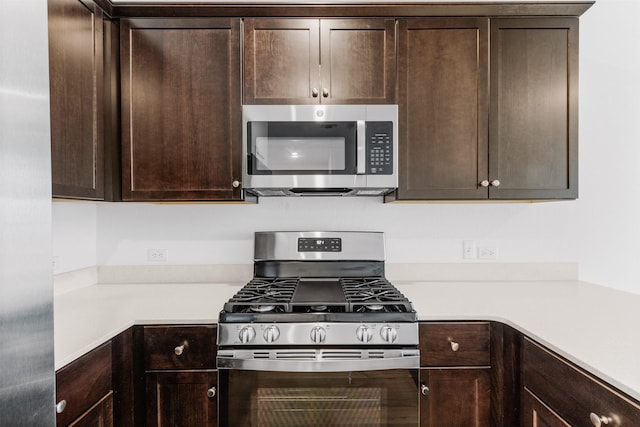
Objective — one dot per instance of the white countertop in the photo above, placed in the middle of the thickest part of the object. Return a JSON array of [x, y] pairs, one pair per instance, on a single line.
[[593, 326]]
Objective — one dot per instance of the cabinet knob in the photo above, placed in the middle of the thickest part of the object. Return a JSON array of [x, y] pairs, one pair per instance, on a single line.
[[314, 92], [454, 345], [484, 183], [495, 183], [60, 406], [180, 348], [597, 420], [424, 389], [235, 184], [325, 92], [211, 392]]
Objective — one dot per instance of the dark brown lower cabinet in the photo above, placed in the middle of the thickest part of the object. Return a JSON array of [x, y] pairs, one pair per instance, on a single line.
[[536, 414], [100, 415], [456, 397], [84, 392], [182, 398]]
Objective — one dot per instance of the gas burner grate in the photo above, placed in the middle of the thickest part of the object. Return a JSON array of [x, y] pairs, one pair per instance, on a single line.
[[373, 295], [263, 295]]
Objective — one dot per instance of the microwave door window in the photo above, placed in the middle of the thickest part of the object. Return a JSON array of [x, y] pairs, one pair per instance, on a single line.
[[299, 155]]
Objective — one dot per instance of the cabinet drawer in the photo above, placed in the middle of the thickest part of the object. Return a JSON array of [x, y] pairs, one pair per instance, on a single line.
[[573, 393], [179, 347], [454, 344], [82, 383]]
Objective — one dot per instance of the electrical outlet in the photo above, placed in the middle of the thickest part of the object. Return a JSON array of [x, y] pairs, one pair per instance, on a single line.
[[487, 252], [468, 249], [157, 255]]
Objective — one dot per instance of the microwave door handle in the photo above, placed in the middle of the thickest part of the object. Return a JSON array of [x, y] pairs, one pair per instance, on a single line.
[[361, 148]]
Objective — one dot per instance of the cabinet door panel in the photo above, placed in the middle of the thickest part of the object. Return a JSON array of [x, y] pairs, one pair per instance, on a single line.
[[100, 415], [457, 398], [537, 414], [443, 107], [534, 92], [357, 61], [281, 61], [181, 128], [180, 398], [76, 76]]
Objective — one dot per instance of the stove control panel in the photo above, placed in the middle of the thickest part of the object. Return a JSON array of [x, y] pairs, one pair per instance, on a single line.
[[314, 244], [318, 333]]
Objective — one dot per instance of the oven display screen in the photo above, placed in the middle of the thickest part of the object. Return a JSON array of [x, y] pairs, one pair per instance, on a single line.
[[314, 244]]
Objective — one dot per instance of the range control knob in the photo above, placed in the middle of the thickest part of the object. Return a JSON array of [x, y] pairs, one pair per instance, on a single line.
[[318, 334], [388, 334], [271, 333], [363, 333], [246, 334]]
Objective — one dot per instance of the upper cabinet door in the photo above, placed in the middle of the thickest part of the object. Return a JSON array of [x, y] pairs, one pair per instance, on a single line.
[[281, 61], [358, 61], [534, 108], [311, 61], [76, 80], [181, 109], [443, 108]]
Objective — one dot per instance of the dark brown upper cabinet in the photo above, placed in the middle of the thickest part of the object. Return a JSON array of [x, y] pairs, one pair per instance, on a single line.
[[460, 141], [327, 61], [443, 108], [180, 91], [76, 40], [533, 133]]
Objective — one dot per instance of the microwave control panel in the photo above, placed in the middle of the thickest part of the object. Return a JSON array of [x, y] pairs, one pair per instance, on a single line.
[[379, 148]]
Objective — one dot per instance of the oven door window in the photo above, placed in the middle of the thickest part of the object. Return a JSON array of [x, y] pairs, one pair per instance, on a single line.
[[337, 399], [299, 148]]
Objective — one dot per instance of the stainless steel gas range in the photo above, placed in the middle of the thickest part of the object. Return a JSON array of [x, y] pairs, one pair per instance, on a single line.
[[319, 337]]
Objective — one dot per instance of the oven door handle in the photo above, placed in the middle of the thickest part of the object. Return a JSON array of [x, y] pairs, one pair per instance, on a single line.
[[316, 360], [361, 147]]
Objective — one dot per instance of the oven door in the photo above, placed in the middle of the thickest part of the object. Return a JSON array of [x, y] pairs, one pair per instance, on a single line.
[[318, 387]]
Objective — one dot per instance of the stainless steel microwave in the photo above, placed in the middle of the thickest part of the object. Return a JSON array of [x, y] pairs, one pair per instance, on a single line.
[[312, 150]]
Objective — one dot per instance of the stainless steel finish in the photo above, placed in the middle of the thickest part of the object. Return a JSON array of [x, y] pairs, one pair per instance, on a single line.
[[61, 406], [283, 246], [246, 334], [325, 92], [271, 334], [211, 392], [495, 183], [598, 420], [27, 382], [361, 149], [314, 92], [179, 349], [484, 183], [318, 360], [235, 184], [364, 334], [454, 346], [424, 390], [318, 334], [338, 334], [358, 184]]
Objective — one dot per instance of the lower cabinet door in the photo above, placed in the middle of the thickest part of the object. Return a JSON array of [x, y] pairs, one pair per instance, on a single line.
[[182, 398], [99, 415], [536, 414], [457, 397]]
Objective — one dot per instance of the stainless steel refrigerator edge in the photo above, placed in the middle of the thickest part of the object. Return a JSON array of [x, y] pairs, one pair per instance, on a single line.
[[27, 381]]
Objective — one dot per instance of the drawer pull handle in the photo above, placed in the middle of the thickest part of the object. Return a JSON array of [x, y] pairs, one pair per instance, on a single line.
[[454, 346], [424, 389], [597, 420], [60, 406], [211, 392], [181, 348]]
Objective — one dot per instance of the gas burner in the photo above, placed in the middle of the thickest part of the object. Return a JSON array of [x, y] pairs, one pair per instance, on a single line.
[[259, 308], [317, 308], [374, 307]]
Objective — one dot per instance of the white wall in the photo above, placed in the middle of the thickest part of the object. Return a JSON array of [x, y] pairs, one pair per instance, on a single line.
[[599, 231]]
